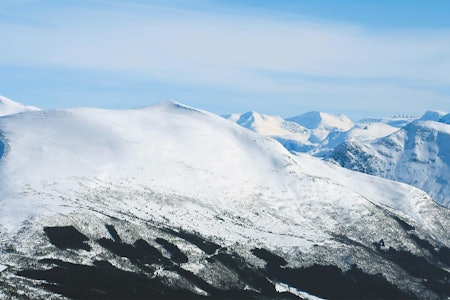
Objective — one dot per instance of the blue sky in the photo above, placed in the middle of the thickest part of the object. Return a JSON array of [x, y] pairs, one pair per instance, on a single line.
[[361, 58]]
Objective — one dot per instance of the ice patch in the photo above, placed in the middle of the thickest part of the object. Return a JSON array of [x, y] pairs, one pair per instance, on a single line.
[[281, 287]]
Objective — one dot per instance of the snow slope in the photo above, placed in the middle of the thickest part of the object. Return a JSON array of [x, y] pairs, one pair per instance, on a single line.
[[8, 107], [171, 149], [272, 126], [359, 148], [445, 119], [361, 132], [291, 135], [316, 120], [433, 115], [417, 154], [174, 166], [322, 124]]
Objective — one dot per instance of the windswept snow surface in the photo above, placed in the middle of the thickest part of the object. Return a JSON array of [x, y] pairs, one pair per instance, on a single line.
[[8, 107], [172, 166]]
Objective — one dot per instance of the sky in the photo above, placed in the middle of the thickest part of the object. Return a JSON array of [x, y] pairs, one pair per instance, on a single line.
[[361, 58]]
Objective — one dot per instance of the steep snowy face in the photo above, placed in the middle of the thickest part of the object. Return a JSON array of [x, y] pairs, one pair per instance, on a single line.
[[371, 131], [195, 202], [418, 154], [445, 119], [361, 132], [433, 115], [8, 107]]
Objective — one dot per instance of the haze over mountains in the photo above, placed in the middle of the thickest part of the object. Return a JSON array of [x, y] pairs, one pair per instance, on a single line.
[[171, 201]]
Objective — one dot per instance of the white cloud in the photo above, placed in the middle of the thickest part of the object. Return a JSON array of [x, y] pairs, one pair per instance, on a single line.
[[230, 51]]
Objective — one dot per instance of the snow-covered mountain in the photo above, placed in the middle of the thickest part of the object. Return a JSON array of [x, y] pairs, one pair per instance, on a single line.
[[366, 146], [290, 134], [445, 119], [394, 121], [170, 201], [417, 154], [316, 133], [8, 107], [321, 120], [433, 115]]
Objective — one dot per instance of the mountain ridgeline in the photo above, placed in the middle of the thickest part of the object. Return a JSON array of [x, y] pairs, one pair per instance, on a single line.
[[415, 151], [168, 201]]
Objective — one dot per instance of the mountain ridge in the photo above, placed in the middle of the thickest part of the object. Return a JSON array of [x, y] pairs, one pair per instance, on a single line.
[[133, 186], [418, 154]]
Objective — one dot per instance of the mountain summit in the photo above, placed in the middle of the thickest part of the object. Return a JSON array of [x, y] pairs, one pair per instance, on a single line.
[[321, 120]]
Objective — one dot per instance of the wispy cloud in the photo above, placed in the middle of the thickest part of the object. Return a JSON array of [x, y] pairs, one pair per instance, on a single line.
[[240, 51]]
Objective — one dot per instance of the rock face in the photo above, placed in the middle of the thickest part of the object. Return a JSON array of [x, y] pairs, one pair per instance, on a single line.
[[417, 154], [172, 202]]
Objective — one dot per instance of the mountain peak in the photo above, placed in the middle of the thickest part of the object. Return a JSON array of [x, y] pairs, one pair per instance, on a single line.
[[170, 105], [433, 115], [316, 120], [252, 117], [445, 119]]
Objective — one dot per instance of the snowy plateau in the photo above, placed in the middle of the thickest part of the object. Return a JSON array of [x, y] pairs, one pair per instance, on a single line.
[[168, 201]]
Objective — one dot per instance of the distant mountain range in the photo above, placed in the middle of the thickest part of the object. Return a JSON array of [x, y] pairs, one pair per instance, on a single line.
[[417, 154], [168, 201], [415, 151]]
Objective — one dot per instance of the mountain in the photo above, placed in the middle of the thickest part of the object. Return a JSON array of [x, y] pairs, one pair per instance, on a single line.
[[367, 145], [445, 119], [362, 132], [315, 133], [417, 154], [433, 115], [316, 120], [394, 121], [8, 107], [290, 134], [168, 201]]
